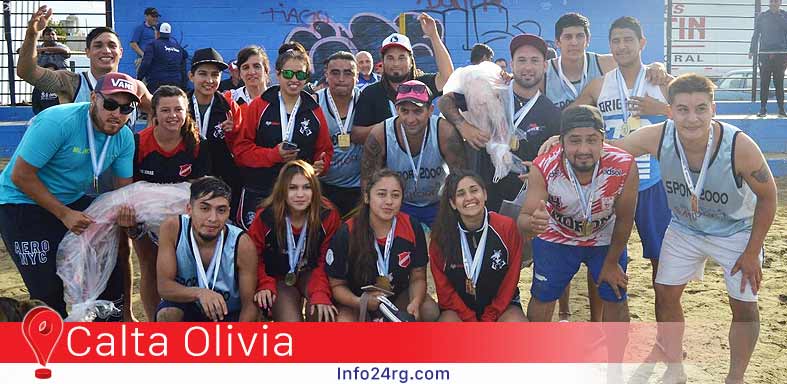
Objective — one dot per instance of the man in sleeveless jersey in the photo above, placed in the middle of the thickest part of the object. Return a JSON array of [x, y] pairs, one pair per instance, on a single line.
[[419, 146], [723, 200], [342, 183], [627, 100], [591, 191], [207, 268]]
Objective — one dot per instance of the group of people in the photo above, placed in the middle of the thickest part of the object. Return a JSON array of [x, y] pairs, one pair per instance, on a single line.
[[318, 206]]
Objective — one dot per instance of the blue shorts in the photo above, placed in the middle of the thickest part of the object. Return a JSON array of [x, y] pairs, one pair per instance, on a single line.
[[554, 265], [652, 218], [425, 215], [192, 312]]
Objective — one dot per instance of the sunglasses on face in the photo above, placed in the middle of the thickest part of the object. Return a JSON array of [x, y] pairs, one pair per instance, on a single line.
[[111, 105], [407, 88], [288, 74]]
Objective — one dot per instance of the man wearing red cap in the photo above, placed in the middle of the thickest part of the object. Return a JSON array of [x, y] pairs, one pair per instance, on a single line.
[[377, 100], [416, 144], [43, 188]]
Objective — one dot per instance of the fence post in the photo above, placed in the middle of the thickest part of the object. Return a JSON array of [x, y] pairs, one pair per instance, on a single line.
[[110, 17], [755, 57], [9, 50], [668, 25]]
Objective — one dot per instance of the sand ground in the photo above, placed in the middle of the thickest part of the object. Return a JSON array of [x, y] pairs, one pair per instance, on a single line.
[[705, 304]]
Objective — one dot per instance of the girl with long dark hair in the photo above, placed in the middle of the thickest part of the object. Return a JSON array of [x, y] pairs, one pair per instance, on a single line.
[[292, 230], [475, 254], [381, 247]]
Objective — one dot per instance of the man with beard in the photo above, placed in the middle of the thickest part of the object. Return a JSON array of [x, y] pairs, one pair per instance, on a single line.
[[377, 100], [342, 183], [207, 268], [42, 190], [417, 145], [535, 117]]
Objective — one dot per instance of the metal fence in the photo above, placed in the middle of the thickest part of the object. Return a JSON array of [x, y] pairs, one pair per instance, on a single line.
[[73, 18]]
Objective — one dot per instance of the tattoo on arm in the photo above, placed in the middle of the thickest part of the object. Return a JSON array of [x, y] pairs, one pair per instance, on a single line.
[[448, 108], [762, 175], [373, 158]]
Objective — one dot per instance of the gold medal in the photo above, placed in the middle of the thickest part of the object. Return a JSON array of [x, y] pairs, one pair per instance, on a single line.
[[695, 203], [344, 140], [586, 228], [384, 282], [624, 130], [514, 144], [634, 123], [290, 279], [469, 288]]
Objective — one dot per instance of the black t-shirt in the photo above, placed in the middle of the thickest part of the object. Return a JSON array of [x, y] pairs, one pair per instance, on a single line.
[[43, 100], [373, 104], [541, 123]]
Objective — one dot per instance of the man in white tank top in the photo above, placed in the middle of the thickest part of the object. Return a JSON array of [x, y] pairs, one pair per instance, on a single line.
[[723, 200]]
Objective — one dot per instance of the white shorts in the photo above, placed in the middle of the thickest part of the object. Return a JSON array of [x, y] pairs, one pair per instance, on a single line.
[[683, 258]]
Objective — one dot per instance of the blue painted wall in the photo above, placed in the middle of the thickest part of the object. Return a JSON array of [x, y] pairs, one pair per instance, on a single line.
[[327, 26]]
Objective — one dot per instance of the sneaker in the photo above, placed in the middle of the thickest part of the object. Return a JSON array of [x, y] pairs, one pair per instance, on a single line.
[[762, 113]]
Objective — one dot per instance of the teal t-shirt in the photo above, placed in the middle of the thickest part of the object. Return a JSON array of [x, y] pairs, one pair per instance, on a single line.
[[56, 143]]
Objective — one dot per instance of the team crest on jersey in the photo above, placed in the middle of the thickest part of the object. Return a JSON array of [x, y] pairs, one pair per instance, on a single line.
[[218, 132], [250, 218], [185, 170], [305, 130], [404, 259], [497, 260], [329, 257]]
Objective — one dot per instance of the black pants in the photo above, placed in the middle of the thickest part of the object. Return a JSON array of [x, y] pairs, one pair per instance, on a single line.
[[345, 199], [772, 66], [31, 235]]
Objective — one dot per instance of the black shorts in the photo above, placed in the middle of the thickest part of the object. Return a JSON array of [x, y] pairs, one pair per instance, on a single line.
[[31, 235], [345, 199], [192, 312]]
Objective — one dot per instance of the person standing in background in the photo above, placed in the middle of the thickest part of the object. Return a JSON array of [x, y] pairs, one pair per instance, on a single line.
[[481, 53], [144, 34], [365, 65], [234, 81], [769, 41], [164, 62], [50, 51]]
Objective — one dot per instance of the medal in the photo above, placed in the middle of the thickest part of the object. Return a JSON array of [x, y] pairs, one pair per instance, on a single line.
[[631, 120], [514, 144], [634, 123], [472, 261], [586, 228], [469, 288], [585, 197], [383, 282], [97, 163], [623, 130], [344, 127], [288, 124], [344, 141], [694, 189], [290, 279]]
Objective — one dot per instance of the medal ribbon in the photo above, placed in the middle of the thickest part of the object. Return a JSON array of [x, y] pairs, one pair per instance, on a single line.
[[520, 115], [343, 127], [295, 252], [392, 107], [473, 267], [202, 276], [695, 189], [202, 123], [567, 85], [420, 154], [585, 198], [98, 164], [383, 258], [623, 91], [287, 124]]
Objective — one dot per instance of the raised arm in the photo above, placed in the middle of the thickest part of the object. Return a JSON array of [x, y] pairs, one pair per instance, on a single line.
[[445, 66], [642, 141]]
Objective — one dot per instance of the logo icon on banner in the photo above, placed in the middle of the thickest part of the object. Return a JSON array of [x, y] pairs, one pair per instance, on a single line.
[[42, 328], [404, 259]]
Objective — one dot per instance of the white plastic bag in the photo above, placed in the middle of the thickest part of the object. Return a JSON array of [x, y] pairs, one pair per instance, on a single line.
[[488, 108], [85, 262]]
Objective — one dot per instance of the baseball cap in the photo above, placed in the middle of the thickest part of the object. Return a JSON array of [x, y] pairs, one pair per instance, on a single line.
[[165, 28], [208, 56], [396, 40], [528, 39], [415, 92], [152, 11], [116, 82], [581, 116]]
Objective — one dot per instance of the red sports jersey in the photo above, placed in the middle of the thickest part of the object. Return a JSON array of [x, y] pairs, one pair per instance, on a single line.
[[153, 164], [564, 206]]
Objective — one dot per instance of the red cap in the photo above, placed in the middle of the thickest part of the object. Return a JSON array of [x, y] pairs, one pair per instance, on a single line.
[[117, 82]]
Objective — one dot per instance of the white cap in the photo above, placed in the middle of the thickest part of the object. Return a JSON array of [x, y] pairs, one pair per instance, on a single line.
[[165, 28], [396, 39]]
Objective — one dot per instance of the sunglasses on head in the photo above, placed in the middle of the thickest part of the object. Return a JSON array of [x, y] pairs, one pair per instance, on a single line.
[[288, 74], [407, 88], [111, 105]]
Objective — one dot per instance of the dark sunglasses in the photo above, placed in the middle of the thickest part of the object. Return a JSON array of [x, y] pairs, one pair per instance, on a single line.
[[407, 88], [111, 105], [288, 74]]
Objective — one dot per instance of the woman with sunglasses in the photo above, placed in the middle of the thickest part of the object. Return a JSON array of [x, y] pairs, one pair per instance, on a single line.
[[475, 255], [167, 151], [380, 249], [254, 67], [292, 231], [282, 125]]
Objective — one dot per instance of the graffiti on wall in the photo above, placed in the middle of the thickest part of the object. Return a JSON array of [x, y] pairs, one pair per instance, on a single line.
[[462, 23]]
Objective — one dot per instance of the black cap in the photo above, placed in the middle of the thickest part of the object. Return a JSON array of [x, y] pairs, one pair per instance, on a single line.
[[528, 39], [208, 56], [581, 116], [152, 11]]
